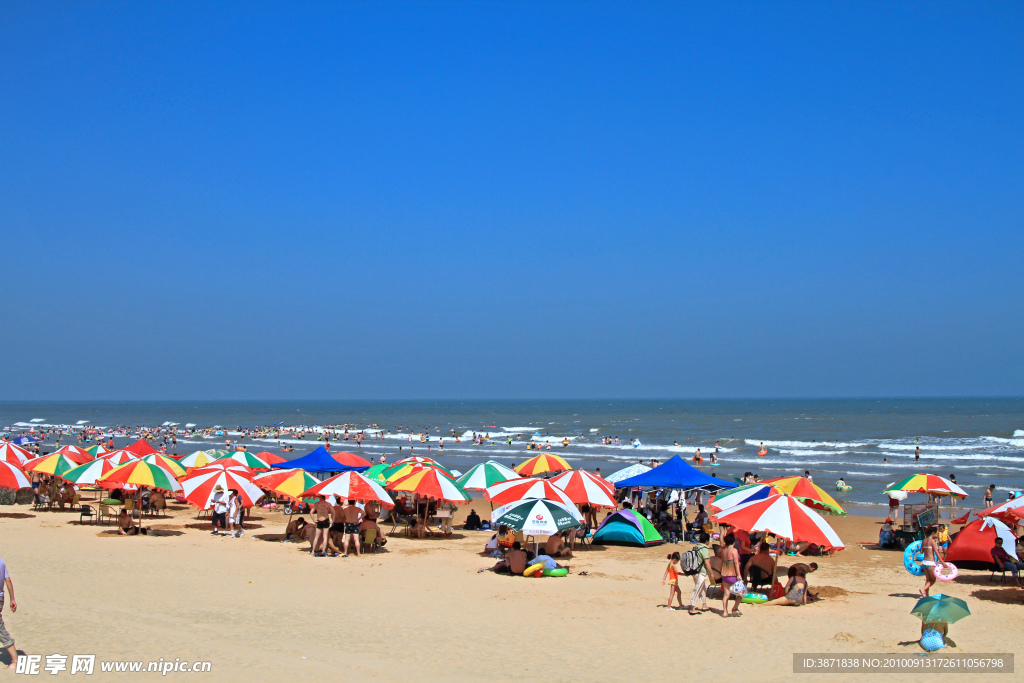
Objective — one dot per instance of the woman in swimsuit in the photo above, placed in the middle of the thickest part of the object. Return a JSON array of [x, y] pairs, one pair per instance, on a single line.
[[730, 575], [796, 589], [672, 577]]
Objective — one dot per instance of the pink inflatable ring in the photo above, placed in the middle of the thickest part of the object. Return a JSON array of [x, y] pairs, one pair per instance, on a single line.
[[946, 572]]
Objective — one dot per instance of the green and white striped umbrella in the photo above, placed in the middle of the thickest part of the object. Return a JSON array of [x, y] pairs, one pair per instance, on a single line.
[[89, 473], [537, 517], [248, 459], [486, 474], [375, 473]]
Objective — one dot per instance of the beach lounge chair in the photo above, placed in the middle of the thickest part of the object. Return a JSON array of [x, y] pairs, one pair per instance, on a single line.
[[370, 540], [106, 511]]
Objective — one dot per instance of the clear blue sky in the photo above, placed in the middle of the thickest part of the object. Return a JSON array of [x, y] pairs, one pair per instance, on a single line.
[[461, 200]]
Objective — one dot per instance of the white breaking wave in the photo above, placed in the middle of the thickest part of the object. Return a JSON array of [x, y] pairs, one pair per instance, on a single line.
[[805, 444]]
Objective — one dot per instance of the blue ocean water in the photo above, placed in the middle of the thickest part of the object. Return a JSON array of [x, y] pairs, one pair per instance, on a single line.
[[869, 442]]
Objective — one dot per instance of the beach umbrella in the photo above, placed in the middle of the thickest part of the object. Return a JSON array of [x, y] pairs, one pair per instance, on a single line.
[[141, 448], [96, 451], [270, 458], [13, 454], [584, 488], [352, 460], [545, 462], [433, 483], [375, 473], [167, 462], [351, 486], [927, 483], [785, 517], [24, 440], [627, 472], [806, 492], [198, 488], [76, 454], [737, 496], [972, 547], [119, 457], [1010, 511], [12, 476], [507, 492], [89, 473], [942, 608], [54, 463], [418, 459], [485, 474], [289, 483], [537, 517], [197, 459], [222, 465], [402, 470], [140, 473], [246, 458], [217, 453]]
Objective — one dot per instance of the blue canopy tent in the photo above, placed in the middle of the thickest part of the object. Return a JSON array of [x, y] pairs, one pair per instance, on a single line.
[[675, 473], [318, 461]]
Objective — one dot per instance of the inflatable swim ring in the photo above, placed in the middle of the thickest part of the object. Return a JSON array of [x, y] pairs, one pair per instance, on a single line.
[[844, 488], [912, 558], [947, 572], [560, 571], [539, 567], [763, 452], [755, 598]]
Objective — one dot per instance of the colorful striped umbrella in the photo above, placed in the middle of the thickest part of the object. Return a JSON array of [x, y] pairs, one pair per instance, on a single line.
[[199, 487], [351, 486], [432, 482], [89, 473], [140, 473], [12, 476], [1010, 511], [785, 517], [13, 454], [402, 470], [545, 462], [197, 459], [289, 483], [738, 496], [419, 459], [507, 492], [97, 450], [217, 453], [246, 458], [375, 473], [582, 487], [166, 462], [271, 458], [927, 483], [119, 457], [54, 463], [486, 474], [76, 454], [806, 492], [141, 448]]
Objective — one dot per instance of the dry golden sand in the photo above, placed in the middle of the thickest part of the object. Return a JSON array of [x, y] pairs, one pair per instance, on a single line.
[[261, 610]]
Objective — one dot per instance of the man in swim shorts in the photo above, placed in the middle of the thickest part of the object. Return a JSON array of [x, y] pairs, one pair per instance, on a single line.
[[323, 516], [351, 515]]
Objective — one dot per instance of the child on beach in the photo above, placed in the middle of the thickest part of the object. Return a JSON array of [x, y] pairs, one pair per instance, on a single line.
[[672, 577]]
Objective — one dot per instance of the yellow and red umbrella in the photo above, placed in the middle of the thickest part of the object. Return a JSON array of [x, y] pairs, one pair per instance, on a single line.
[[140, 473], [433, 483], [927, 483], [545, 462], [404, 469], [197, 459], [54, 463], [290, 483], [806, 492]]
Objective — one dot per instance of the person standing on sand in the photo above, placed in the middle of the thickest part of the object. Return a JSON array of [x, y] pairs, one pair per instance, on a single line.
[[671, 575], [931, 550], [701, 580], [5, 638], [731, 576], [323, 515], [351, 516]]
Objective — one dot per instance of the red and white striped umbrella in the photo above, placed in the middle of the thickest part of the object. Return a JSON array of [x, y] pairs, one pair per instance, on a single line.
[[12, 477], [785, 517], [14, 454], [351, 486], [520, 489], [119, 457], [583, 487], [223, 466], [199, 488], [79, 456], [1010, 511]]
